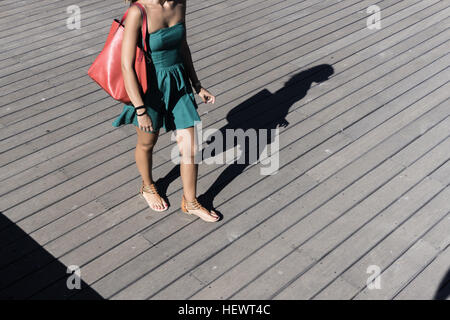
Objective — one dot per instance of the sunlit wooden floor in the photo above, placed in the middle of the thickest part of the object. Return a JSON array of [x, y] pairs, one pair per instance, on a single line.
[[363, 180]]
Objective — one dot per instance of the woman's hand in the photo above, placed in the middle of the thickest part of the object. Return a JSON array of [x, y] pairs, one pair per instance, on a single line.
[[206, 96], [145, 123]]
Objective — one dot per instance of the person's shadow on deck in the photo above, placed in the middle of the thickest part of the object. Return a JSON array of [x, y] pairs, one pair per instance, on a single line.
[[264, 110]]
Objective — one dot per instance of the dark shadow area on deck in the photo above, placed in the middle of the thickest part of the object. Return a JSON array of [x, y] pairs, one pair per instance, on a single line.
[[443, 291], [33, 275]]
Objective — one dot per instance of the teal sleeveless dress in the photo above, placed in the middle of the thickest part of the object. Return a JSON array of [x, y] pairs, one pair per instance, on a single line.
[[169, 100]]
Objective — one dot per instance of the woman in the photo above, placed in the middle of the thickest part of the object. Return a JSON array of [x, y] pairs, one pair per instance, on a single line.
[[169, 101]]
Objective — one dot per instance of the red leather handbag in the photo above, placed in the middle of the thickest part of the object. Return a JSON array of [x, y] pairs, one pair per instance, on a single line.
[[106, 69]]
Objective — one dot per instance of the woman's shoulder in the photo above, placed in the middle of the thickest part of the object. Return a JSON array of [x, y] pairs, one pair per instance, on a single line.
[[134, 14], [134, 9]]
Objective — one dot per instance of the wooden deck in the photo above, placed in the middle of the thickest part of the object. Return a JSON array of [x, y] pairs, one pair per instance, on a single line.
[[364, 171]]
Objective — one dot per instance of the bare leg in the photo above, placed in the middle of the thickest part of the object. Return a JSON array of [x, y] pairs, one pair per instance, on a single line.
[[143, 156], [188, 171]]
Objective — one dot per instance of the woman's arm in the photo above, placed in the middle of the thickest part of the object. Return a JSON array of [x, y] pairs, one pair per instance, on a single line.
[[204, 94], [187, 60], [133, 25]]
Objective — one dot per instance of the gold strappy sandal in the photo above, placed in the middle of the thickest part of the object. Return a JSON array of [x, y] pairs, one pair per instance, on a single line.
[[190, 207], [152, 190]]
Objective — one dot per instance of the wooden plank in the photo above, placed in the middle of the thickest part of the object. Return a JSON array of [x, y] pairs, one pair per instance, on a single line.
[[391, 249], [430, 282], [319, 274], [410, 263], [222, 112], [306, 227]]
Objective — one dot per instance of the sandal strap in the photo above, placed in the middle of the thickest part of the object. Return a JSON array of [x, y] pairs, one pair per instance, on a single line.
[[151, 188], [194, 205]]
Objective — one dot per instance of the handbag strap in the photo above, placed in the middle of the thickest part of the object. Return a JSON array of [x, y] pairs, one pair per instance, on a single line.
[[144, 24]]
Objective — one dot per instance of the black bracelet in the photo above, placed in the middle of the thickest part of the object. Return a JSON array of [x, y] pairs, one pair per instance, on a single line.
[[141, 107]]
